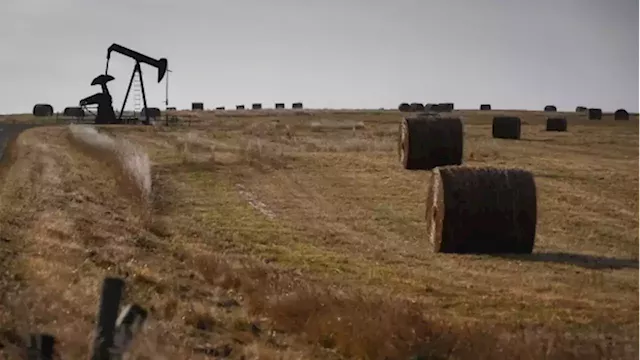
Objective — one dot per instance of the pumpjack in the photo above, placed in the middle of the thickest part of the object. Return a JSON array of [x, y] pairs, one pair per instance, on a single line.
[[106, 114]]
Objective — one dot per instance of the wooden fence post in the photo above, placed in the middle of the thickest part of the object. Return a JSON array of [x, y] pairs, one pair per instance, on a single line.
[[112, 289]]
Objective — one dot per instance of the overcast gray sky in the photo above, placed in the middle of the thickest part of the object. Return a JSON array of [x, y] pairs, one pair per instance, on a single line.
[[520, 54]]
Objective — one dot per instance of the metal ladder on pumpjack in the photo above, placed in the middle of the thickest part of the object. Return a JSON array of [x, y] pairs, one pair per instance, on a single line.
[[137, 97]]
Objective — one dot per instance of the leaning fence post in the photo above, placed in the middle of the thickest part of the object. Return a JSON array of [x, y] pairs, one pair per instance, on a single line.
[[40, 347], [109, 304]]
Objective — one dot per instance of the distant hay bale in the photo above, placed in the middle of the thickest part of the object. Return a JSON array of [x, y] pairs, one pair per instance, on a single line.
[[432, 107], [425, 142], [197, 106], [220, 108], [73, 111], [594, 114], [581, 109], [556, 124], [256, 106], [239, 107], [621, 114], [550, 108], [485, 107], [445, 107], [279, 106], [416, 107], [42, 110], [171, 109], [481, 210], [153, 112], [296, 105], [404, 107], [506, 127]]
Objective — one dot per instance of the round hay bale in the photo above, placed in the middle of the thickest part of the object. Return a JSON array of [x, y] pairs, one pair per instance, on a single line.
[[432, 107], [73, 111], [621, 114], [556, 124], [404, 107], [415, 107], [425, 142], [481, 210], [296, 105], [581, 109], [279, 105], [485, 107], [153, 112], [445, 107], [171, 109], [550, 108], [506, 127], [197, 106], [594, 114], [220, 108], [256, 106], [42, 110], [239, 107]]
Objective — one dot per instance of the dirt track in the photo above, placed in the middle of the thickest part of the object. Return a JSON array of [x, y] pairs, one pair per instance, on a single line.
[[10, 131]]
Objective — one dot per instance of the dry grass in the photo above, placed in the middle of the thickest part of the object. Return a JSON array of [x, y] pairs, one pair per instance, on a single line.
[[270, 239]]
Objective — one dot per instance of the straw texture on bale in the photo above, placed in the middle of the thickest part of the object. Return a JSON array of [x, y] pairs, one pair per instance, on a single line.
[[621, 114], [153, 113], [506, 127], [256, 106], [485, 107], [425, 142], [42, 110], [556, 124], [73, 111], [550, 108], [296, 105], [197, 106], [481, 210], [594, 114], [239, 107], [417, 107], [581, 109], [404, 107], [279, 105], [220, 108], [445, 107]]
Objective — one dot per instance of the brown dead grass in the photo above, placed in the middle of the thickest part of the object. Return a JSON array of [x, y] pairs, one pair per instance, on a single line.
[[273, 238]]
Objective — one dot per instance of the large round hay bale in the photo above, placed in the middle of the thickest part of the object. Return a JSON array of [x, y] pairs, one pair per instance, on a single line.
[[404, 107], [485, 107], [279, 105], [256, 106], [506, 127], [239, 107], [296, 105], [621, 114], [550, 108], [581, 109], [197, 106], [42, 110], [153, 112], [594, 114], [415, 107], [73, 111], [445, 107], [556, 124], [425, 142], [481, 210]]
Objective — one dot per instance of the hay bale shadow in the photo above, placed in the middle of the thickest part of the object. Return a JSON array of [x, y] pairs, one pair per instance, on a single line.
[[581, 260]]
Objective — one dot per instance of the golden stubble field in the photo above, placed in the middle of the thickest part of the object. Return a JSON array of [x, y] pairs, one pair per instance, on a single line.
[[299, 236]]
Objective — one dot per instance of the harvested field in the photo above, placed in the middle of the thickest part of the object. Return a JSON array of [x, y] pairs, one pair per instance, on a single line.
[[298, 235]]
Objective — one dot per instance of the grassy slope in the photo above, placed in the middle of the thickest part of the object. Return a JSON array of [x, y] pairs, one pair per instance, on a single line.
[[313, 228]]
